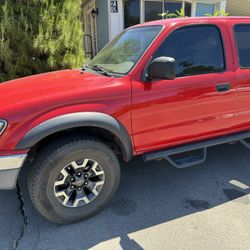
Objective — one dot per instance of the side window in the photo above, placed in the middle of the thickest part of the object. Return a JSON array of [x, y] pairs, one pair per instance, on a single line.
[[196, 49], [242, 33]]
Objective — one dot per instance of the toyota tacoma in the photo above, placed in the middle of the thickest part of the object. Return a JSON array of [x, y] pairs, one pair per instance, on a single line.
[[166, 89]]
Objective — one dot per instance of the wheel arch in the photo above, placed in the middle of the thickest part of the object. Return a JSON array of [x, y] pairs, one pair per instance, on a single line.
[[79, 120]]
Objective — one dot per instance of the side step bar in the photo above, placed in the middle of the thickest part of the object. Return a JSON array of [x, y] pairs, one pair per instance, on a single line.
[[202, 145]]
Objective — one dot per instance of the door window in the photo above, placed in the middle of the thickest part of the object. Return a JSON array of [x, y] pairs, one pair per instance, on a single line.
[[242, 33], [199, 53]]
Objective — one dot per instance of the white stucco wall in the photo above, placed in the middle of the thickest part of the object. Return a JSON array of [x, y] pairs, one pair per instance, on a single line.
[[116, 22]]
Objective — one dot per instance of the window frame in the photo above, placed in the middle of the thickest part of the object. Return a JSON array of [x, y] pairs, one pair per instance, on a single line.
[[237, 44], [200, 25], [183, 2]]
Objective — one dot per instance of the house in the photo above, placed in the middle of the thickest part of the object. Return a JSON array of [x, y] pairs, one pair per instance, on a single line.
[[104, 19]]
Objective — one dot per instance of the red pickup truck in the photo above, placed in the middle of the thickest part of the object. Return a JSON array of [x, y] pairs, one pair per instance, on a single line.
[[167, 89]]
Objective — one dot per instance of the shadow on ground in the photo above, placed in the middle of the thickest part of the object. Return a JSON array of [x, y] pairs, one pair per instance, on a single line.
[[149, 194]]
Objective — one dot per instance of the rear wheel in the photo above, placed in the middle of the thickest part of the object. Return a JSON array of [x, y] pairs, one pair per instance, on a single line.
[[73, 179]]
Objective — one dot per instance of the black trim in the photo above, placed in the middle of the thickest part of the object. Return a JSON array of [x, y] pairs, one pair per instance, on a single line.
[[74, 120], [196, 145]]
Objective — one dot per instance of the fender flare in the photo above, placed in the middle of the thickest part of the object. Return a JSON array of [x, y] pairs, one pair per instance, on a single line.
[[79, 119]]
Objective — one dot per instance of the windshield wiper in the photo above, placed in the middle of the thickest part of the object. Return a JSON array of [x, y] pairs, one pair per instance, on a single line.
[[100, 69]]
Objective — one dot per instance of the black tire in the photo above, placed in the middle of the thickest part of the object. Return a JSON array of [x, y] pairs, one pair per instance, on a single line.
[[48, 164]]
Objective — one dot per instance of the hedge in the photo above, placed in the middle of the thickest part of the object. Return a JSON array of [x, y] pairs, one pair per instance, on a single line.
[[38, 36]]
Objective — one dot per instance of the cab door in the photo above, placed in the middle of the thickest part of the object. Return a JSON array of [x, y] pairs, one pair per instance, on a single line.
[[198, 103], [241, 32]]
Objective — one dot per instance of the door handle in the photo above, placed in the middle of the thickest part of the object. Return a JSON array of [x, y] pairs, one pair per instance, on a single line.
[[223, 87]]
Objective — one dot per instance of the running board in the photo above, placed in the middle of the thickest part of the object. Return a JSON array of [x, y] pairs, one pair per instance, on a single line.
[[176, 158], [187, 159], [246, 142]]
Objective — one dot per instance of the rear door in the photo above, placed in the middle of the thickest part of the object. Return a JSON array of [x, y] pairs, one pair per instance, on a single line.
[[199, 103], [241, 35]]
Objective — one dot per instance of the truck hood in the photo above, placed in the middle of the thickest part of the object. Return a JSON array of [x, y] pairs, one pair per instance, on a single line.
[[47, 87]]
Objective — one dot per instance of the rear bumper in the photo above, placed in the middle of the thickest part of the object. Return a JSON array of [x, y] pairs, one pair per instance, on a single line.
[[9, 170]]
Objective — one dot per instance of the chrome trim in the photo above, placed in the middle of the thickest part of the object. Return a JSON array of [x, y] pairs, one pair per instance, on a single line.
[[12, 161], [4, 126]]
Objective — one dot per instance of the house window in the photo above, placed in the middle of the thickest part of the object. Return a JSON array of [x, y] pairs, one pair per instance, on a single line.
[[204, 8], [188, 9], [153, 10], [172, 7], [131, 12]]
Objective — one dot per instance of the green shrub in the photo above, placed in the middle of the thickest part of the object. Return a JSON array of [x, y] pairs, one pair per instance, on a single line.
[[218, 13], [38, 36]]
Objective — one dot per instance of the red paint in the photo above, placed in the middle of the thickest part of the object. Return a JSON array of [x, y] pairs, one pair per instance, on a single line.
[[157, 115]]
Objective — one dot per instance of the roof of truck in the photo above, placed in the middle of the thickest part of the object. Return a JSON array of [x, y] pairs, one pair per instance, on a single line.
[[192, 20]]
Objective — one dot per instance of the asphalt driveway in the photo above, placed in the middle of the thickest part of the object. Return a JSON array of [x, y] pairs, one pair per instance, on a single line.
[[156, 207]]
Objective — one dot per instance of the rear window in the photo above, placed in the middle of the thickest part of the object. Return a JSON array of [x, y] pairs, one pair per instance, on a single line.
[[242, 33]]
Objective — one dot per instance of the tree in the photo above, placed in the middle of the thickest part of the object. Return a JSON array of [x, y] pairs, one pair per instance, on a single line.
[[38, 36]]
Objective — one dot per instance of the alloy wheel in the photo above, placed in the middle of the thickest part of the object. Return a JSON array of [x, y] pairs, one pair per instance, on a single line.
[[79, 183]]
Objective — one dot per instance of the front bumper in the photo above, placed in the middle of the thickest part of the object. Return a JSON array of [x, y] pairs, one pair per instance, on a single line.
[[9, 170]]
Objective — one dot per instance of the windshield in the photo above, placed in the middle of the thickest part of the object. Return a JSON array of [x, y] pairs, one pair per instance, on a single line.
[[120, 56]]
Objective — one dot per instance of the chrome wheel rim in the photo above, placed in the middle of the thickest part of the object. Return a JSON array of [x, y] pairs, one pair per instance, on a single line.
[[79, 183]]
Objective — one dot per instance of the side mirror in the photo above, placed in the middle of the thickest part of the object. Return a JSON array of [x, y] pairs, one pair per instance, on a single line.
[[162, 68]]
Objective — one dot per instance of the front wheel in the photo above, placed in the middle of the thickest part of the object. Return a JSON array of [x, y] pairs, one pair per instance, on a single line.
[[72, 180]]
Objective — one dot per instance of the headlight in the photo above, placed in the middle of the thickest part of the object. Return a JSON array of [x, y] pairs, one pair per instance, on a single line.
[[3, 125]]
